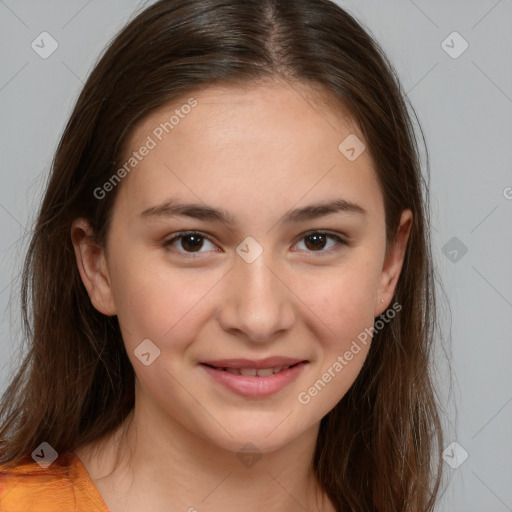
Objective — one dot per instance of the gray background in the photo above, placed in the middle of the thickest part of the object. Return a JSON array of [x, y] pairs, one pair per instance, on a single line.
[[465, 107]]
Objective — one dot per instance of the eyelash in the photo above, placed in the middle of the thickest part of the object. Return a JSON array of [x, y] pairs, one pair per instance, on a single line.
[[340, 242]]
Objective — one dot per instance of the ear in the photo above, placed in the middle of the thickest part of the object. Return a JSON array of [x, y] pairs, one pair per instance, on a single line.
[[393, 264], [92, 265]]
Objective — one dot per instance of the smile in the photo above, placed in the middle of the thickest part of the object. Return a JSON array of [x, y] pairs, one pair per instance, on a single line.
[[254, 372], [254, 382]]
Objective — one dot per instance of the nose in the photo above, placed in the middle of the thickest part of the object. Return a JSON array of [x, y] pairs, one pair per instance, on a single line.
[[258, 303]]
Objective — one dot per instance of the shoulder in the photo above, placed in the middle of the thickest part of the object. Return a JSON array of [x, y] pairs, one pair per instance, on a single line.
[[29, 487]]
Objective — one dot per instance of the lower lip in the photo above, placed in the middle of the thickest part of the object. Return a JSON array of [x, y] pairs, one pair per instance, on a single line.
[[255, 387]]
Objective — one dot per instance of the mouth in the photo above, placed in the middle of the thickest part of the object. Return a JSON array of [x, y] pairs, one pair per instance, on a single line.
[[253, 372], [254, 379]]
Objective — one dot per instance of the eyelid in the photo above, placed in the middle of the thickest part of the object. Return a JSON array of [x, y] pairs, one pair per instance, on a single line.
[[341, 240], [167, 243]]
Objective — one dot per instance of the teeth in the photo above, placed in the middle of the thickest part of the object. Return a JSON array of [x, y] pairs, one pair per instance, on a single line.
[[253, 372], [265, 372]]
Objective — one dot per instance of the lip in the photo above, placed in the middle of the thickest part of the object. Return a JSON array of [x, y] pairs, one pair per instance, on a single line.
[[255, 387], [268, 362]]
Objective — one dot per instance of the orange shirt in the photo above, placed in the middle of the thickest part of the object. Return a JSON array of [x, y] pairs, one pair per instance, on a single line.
[[64, 486]]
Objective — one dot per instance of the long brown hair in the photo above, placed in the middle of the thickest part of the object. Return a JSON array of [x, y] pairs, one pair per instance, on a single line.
[[379, 448]]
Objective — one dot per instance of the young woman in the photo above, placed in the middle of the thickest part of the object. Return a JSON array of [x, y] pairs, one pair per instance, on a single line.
[[229, 292]]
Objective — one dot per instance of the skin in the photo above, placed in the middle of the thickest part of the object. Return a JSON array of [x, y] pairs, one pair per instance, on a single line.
[[257, 152]]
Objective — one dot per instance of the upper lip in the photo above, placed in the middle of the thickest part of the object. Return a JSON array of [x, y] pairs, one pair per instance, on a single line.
[[268, 362]]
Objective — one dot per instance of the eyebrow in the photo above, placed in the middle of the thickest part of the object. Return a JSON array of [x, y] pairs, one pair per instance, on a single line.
[[172, 208]]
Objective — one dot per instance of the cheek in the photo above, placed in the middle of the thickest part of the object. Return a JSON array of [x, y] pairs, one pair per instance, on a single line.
[[345, 303], [157, 302], [343, 299]]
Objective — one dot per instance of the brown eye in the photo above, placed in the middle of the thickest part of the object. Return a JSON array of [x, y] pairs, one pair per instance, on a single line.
[[191, 242], [316, 241], [187, 242]]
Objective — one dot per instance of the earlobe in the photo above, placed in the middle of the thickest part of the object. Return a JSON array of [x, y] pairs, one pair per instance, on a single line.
[[393, 264], [93, 268]]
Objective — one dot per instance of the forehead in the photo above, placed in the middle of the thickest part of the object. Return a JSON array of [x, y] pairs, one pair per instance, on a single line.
[[259, 142], [271, 111]]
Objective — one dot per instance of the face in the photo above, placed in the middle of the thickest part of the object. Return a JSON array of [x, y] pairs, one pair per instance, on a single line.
[[257, 269]]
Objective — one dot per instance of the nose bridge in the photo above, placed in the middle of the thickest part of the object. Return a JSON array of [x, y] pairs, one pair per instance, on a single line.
[[256, 301], [258, 280]]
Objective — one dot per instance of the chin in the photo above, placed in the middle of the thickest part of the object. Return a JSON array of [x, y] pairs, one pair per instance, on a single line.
[[267, 436]]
